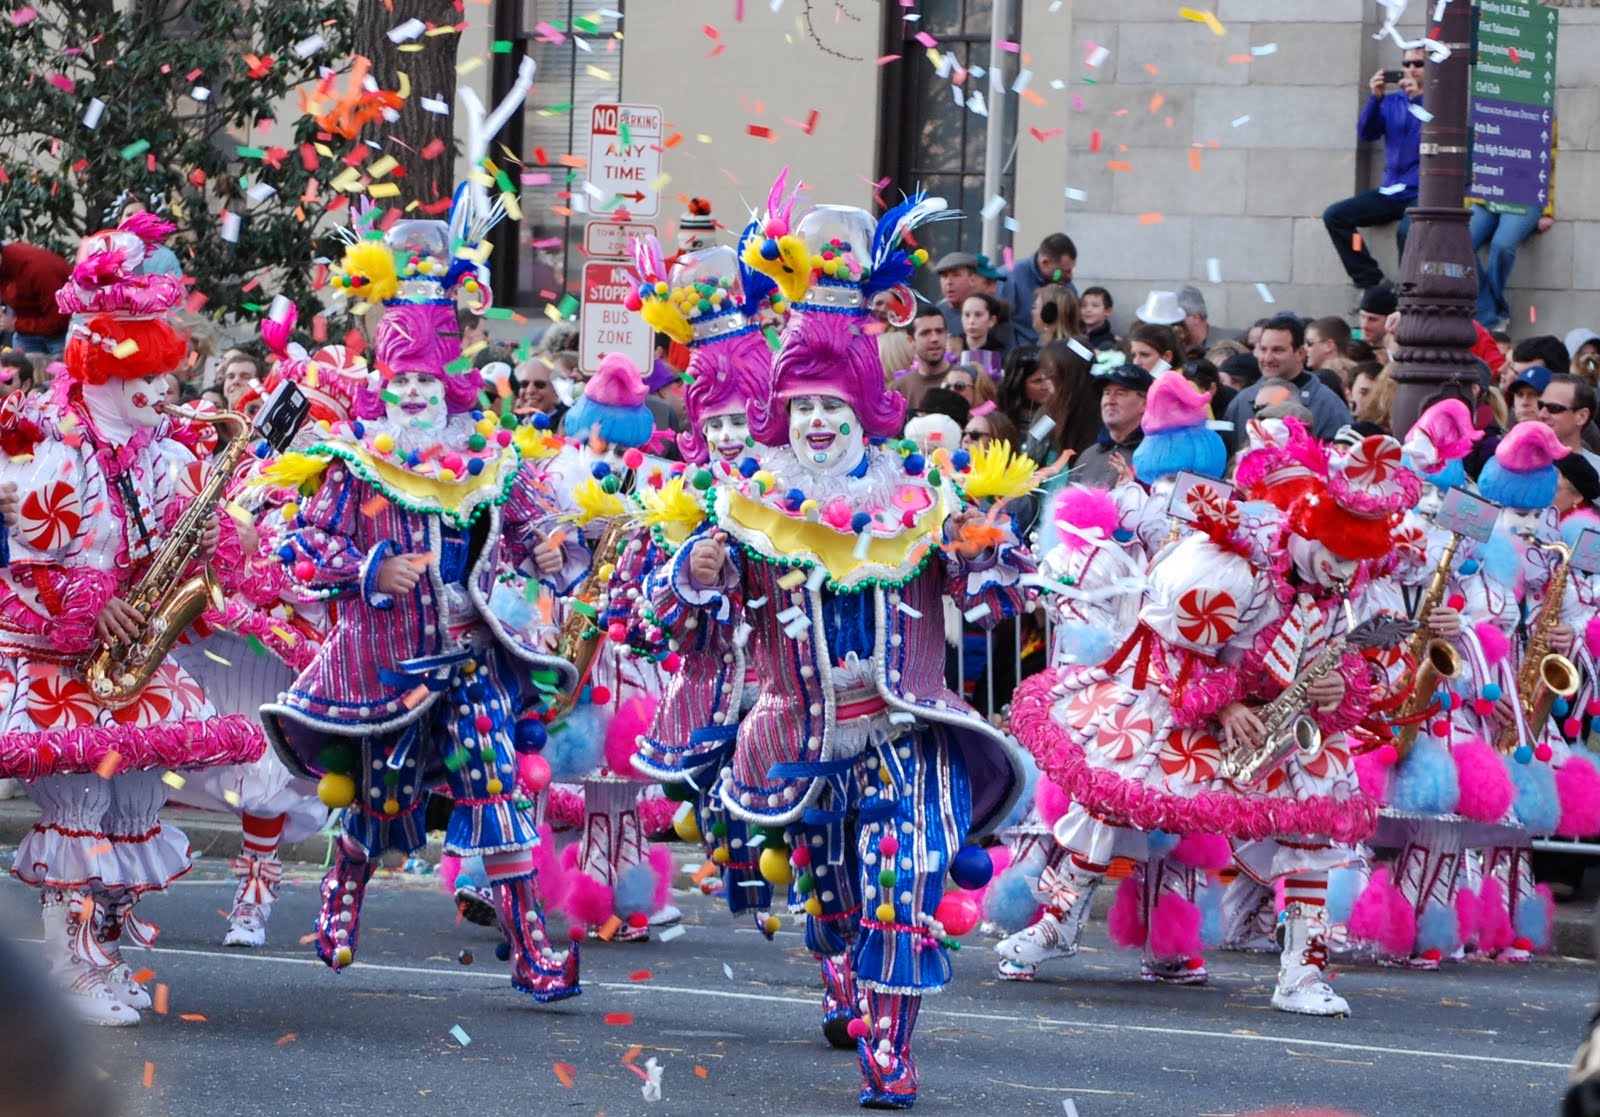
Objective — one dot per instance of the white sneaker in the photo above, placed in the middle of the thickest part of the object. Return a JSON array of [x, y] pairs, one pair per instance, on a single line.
[[247, 925], [1044, 940], [90, 1000], [118, 980], [1308, 993], [1302, 985], [668, 916], [1016, 971]]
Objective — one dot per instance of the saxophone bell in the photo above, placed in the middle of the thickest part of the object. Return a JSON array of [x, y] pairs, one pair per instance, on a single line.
[[1301, 739]]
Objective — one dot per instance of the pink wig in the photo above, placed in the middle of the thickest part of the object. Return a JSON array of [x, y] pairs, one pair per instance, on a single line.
[[828, 355], [425, 338], [727, 373]]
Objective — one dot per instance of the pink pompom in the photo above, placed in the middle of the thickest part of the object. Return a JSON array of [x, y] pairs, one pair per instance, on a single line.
[[1373, 771], [588, 901], [858, 1029], [1486, 790], [1578, 786], [623, 732], [1174, 927], [1467, 914], [1088, 510], [1494, 642], [661, 865], [656, 814], [1382, 915], [533, 772], [449, 870], [1210, 852], [1125, 921], [553, 880], [1494, 921], [958, 912], [1591, 635], [1050, 801]]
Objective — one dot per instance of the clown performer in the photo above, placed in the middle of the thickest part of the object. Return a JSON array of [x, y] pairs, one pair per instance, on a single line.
[[103, 496], [1096, 588], [614, 882], [1504, 751], [267, 632], [420, 509], [709, 303], [1165, 735], [837, 554]]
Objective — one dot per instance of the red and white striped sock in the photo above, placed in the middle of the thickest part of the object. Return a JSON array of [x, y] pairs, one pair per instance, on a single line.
[[1309, 890], [499, 867], [1083, 865], [262, 835]]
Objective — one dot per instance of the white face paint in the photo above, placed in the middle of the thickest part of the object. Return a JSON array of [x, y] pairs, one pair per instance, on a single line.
[[1525, 522], [1429, 503], [415, 399], [1315, 563], [122, 407], [825, 434], [726, 434]]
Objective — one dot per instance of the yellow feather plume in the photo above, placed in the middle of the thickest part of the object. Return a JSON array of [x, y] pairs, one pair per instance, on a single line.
[[666, 318], [534, 444], [791, 271], [997, 472], [673, 508], [373, 261], [296, 471], [594, 503]]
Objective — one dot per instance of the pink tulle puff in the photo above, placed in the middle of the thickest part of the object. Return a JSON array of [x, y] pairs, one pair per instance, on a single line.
[[1088, 510], [449, 872], [1494, 921], [1578, 786], [1496, 646], [1373, 774], [587, 900], [1050, 801], [1125, 920], [623, 731], [1175, 928], [1383, 915], [1208, 852], [1467, 914], [1486, 790]]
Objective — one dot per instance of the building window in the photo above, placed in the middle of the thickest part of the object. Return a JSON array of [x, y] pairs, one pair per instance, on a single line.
[[537, 259], [939, 141]]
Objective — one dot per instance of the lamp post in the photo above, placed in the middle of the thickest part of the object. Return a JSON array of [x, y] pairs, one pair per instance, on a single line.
[[1439, 275]]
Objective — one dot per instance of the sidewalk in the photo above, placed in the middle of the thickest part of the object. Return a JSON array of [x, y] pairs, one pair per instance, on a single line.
[[217, 835]]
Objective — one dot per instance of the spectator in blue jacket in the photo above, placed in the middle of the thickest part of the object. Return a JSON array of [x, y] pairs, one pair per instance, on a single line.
[[1391, 117], [1052, 263]]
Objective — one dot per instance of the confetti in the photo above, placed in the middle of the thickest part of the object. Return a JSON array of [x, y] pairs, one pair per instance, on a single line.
[[1151, 218], [728, 970], [1266, 295], [193, 1018], [92, 114], [640, 975], [149, 1075], [308, 46], [1214, 270], [670, 933], [135, 149], [405, 32], [991, 208], [230, 227], [460, 1035], [1097, 57], [565, 1074], [1073, 194], [1420, 113], [172, 780], [619, 1019], [108, 767], [200, 93], [24, 15], [288, 1037], [1241, 121], [159, 1000], [701, 1072], [1264, 49]]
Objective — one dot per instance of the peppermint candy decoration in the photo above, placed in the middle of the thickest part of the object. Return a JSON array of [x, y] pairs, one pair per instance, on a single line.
[[1211, 506], [1190, 756], [59, 701], [188, 698], [1332, 763], [1090, 706], [1124, 732], [191, 477], [1373, 462], [153, 706], [50, 517], [1207, 617]]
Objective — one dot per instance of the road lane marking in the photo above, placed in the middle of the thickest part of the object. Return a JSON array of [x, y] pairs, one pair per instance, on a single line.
[[948, 1014]]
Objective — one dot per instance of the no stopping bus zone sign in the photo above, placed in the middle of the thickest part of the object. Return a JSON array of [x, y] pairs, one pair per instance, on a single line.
[[607, 325]]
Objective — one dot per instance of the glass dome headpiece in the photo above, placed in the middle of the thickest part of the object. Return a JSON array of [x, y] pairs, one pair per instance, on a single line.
[[707, 295]]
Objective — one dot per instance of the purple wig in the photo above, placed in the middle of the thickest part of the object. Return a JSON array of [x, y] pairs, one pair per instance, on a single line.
[[425, 338], [729, 372], [828, 354]]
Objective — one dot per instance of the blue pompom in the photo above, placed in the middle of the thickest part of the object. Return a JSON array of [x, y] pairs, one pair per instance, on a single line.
[[531, 735], [1447, 700], [915, 464], [600, 470], [1492, 692], [769, 249], [1469, 567], [1438, 929], [1425, 782], [477, 413], [1163, 843], [359, 429], [1523, 755], [635, 890], [795, 497], [414, 459], [475, 466], [286, 554], [749, 467], [1122, 535], [971, 867], [859, 522], [262, 449], [1561, 708], [1536, 805], [960, 459], [576, 746], [541, 421], [1011, 902], [502, 951]]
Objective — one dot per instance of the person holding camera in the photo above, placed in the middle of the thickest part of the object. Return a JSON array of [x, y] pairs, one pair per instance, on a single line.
[[1390, 114]]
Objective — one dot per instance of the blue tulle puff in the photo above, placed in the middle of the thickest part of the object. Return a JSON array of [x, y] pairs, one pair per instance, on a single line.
[[1425, 781], [1196, 449]]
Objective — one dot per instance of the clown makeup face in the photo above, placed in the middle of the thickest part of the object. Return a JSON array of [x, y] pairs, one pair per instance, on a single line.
[[1525, 523], [825, 433], [120, 408], [1318, 565], [726, 433], [415, 399], [1429, 502]]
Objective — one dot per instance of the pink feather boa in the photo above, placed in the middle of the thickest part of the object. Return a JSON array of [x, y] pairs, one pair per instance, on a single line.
[[229, 739], [1088, 510], [1578, 787], [1234, 814]]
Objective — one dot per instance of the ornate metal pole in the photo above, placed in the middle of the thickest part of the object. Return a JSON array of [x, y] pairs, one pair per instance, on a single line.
[[1439, 275]]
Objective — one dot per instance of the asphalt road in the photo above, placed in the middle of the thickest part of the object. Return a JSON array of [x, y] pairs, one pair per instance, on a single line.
[[732, 1019]]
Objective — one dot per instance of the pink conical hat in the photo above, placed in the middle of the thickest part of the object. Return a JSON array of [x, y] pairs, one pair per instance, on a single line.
[[617, 382], [1449, 433], [1528, 447], [1173, 403]]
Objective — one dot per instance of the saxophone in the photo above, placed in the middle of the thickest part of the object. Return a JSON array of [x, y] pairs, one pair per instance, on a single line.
[[1287, 729], [117, 672], [578, 640], [1435, 659], [1542, 676]]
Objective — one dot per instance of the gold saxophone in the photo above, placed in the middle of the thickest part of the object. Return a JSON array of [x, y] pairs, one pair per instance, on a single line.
[[1287, 729], [1435, 659], [579, 638], [1542, 676], [169, 602]]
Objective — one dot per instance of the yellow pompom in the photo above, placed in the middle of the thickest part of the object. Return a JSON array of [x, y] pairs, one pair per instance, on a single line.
[[343, 956], [374, 262], [885, 913], [722, 855], [687, 829], [291, 510], [813, 908], [662, 288], [766, 480], [775, 867], [771, 924], [485, 427], [447, 475], [391, 807], [494, 787], [810, 509], [384, 443], [336, 790]]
